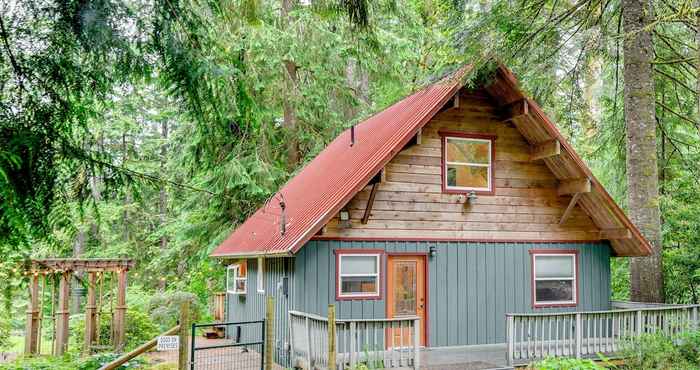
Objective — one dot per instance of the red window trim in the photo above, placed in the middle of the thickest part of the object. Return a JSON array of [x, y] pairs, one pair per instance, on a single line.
[[444, 134], [380, 279], [533, 253]]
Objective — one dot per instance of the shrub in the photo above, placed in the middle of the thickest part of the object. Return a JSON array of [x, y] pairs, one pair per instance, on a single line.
[[658, 351], [5, 331], [69, 361], [138, 330], [566, 364], [165, 308]]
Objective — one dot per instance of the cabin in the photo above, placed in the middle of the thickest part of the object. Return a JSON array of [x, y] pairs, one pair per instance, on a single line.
[[457, 205]]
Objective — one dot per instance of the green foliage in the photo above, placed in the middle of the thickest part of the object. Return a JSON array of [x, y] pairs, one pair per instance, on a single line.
[[657, 351], [69, 361], [165, 308], [5, 331], [139, 329], [567, 364]]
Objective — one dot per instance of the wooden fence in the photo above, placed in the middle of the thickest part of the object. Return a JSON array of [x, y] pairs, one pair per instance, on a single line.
[[531, 337], [377, 343]]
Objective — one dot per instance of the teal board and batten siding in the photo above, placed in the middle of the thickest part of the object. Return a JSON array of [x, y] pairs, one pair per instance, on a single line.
[[471, 286], [251, 306], [470, 289]]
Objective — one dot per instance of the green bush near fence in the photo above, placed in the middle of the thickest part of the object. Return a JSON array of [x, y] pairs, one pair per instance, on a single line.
[[649, 352], [70, 361]]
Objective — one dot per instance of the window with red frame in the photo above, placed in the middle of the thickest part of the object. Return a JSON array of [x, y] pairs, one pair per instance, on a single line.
[[468, 163], [554, 279], [359, 275]]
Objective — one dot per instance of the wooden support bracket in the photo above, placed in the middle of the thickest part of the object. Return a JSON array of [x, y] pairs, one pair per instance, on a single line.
[[513, 110], [370, 202], [574, 186], [613, 234], [419, 137], [545, 150], [570, 208]]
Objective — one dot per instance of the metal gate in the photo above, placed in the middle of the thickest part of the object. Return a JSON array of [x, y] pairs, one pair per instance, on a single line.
[[228, 345]]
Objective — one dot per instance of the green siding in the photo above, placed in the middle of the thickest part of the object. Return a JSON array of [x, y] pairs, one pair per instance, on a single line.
[[471, 286]]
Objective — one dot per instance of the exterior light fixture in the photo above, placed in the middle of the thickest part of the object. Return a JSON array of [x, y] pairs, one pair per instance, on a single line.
[[432, 251], [344, 218], [471, 197]]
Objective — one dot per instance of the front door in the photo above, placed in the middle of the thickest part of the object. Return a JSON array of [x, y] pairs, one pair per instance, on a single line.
[[406, 294]]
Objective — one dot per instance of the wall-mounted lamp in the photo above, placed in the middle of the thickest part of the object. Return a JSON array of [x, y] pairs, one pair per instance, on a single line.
[[471, 197], [432, 252], [344, 218]]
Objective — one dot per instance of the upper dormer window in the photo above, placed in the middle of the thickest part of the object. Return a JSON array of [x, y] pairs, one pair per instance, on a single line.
[[467, 162]]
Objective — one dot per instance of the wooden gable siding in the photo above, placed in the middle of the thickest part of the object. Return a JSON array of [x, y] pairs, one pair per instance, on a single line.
[[410, 203]]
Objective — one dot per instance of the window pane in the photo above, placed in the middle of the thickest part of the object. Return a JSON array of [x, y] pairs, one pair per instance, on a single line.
[[243, 272], [358, 264], [554, 291], [467, 151], [467, 176], [554, 266], [240, 285], [358, 285], [231, 280]]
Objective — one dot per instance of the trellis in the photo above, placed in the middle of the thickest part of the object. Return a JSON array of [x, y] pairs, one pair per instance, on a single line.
[[61, 270]]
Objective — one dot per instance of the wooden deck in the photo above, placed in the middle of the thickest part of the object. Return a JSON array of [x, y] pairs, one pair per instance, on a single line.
[[480, 357]]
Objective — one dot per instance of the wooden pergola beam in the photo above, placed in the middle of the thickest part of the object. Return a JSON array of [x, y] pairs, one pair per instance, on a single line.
[[81, 264], [513, 110], [32, 326], [614, 234], [545, 150], [574, 186], [570, 208], [62, 314]]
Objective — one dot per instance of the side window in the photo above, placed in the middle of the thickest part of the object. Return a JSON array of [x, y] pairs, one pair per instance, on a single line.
[[260, 283], [554, 278], [237, 278], [359, 275], [467, 162]]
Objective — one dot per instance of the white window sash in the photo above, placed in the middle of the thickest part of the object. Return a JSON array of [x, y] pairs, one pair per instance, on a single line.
[[489, 165], [261, 276], [342, 275], [573, 278], [232, 274]]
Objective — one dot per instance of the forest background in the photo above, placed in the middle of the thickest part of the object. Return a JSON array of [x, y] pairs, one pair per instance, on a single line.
[[149, 129]]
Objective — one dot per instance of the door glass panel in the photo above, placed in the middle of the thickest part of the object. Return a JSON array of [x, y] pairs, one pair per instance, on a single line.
[[405, 288]]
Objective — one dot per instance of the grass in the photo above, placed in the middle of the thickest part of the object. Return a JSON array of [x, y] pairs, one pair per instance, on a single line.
[[17, 345]]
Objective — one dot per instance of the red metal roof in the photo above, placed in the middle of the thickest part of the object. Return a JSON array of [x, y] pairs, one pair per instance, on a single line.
[[328, 182]]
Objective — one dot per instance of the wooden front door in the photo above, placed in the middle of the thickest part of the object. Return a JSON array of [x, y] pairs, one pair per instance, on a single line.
[[406, 294]]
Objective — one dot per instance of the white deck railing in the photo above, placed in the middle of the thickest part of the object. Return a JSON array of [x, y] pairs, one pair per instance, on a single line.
[[531, 337], [377, 343]]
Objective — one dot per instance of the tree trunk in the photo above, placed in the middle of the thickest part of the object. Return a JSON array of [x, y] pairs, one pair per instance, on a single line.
[[290, 89], [78, 249], [646, 273], [128, 198], [163, 196], [358, 80]]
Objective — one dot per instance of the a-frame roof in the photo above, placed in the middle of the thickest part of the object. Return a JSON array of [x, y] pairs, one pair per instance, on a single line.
[[329, 181]]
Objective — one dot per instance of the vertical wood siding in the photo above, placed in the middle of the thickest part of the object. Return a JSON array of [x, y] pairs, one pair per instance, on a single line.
[[251, 306], [471, 285]]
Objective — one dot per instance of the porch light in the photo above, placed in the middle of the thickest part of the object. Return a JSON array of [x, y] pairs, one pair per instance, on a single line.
[[345, 218], [433, 251], [471, 197]]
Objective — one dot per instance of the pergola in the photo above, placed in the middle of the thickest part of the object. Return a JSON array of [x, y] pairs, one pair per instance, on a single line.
[[65, 268]]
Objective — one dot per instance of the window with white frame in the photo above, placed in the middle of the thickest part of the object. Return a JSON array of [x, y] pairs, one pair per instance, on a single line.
[[554, 279], [358, 275], [237, 278], [467, 163], [261, 276]]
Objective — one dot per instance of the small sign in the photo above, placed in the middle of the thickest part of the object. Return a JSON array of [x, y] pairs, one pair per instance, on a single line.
[[168, 343]]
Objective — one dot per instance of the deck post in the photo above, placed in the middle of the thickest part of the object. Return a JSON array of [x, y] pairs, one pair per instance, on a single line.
[[331, 337], [579, 335], [183, 349], [269, 332], [509, 339], [62, 314], [416, 343], [353, 344], [120, 312], [308, 343]]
